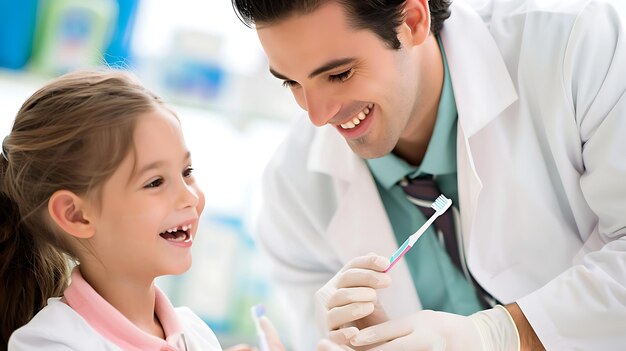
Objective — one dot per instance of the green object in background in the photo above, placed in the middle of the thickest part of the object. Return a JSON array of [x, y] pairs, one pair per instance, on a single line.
[[72, 34]]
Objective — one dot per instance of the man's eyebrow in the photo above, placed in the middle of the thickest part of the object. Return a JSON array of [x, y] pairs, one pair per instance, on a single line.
[[323, 68], [278, 75]]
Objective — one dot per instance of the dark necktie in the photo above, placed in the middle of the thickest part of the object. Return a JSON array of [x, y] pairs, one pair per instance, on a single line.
[[422, 192]]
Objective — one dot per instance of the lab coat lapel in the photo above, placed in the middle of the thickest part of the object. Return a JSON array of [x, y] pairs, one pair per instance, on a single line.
[[483, 89], [482, 85], [360, 224]]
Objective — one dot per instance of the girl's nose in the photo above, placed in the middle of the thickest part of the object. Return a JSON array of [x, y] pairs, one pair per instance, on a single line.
[[189, 195]]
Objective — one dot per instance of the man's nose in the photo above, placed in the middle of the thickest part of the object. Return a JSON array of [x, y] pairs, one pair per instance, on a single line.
[[320, 106]]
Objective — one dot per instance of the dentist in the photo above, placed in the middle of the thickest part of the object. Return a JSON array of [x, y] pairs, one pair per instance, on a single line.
[[516, 110]]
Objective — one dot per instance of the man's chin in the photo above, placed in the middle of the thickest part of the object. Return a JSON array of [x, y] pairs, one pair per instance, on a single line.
[[368, 150]]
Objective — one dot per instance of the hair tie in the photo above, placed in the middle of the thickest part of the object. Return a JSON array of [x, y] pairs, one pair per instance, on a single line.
[[5, 153]]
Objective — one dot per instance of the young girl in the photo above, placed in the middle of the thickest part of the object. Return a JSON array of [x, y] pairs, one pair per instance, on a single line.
[[96, 169]]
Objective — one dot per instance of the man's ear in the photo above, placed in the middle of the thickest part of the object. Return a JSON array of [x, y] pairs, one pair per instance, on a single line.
[[416, 21], [68, 211]]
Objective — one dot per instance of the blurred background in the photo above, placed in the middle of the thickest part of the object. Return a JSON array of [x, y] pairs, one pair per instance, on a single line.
[[210, 67]]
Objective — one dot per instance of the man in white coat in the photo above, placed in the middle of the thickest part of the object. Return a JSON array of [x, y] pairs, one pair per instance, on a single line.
[[516, 109]]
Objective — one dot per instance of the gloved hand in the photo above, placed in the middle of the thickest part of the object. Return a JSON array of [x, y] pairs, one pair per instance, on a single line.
[[488, 330], [327, 345], [348, 302]]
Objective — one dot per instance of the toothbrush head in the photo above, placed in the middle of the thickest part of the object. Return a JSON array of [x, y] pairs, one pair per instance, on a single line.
[[257, 311], [441, 204]]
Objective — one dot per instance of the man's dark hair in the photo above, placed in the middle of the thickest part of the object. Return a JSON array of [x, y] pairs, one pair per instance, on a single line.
[[380, 16]]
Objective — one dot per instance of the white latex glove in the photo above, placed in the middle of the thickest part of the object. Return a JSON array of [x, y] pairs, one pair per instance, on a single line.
[[327, 345], [489, 330], [348, 302]]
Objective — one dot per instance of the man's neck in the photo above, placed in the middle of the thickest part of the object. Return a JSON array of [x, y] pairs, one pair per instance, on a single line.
[[411, 152], [415, 138]]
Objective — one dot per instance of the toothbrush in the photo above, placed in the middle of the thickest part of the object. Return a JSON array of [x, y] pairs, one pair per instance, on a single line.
[[440, 205], [258, 311]]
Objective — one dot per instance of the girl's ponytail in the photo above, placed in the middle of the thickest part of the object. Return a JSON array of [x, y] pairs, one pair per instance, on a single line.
[[29, 273]]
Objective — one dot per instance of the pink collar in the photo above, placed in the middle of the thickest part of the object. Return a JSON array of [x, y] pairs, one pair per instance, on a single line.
[[111, 324]]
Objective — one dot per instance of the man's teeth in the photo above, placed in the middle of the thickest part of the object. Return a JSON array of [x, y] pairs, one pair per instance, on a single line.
[[356, 120]]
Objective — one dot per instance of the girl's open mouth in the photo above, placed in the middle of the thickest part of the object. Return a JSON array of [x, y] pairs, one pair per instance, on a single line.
[[177, 234]]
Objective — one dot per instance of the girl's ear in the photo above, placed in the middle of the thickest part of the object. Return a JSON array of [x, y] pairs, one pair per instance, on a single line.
[[416, 21], [68, 211]]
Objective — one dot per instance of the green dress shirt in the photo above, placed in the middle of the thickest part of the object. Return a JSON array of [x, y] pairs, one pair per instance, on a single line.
[[439, 284]]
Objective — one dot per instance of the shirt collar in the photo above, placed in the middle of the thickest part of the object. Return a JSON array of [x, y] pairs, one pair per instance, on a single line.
[[440, 157], [115, 327]]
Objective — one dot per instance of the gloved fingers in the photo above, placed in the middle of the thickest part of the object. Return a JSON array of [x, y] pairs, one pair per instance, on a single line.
[[342, 336], [377, 317], [341, 315], [370, 261], [327, 345], [432, 342], [361, 277], [347, 296], [383, 332], [273, 340]]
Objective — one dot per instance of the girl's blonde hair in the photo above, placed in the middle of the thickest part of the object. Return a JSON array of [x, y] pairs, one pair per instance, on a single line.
[[72, 134]]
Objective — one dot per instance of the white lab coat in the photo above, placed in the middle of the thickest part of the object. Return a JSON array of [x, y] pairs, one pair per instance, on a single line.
[[540, 91], [57, 327]]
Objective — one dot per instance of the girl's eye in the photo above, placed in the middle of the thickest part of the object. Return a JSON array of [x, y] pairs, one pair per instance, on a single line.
[[155, 183], [341, 77], [187, 172], [289, 83]]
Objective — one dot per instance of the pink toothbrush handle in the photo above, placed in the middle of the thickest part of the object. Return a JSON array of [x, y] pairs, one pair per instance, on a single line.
[[397, 258]]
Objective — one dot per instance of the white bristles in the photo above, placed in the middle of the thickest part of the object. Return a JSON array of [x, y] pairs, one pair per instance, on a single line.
[[441, 203]]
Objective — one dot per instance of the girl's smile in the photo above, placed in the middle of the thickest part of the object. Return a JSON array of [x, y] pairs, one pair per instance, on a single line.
[[179, 235]]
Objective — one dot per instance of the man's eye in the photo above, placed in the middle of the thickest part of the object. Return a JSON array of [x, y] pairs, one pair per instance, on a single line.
[[155, 183], [289, 83], [341, 77], [187, 173]]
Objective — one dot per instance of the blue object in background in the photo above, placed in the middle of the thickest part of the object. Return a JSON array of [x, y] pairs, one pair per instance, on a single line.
[[72, 34], [118, 53], [195, 79], [17, 28]]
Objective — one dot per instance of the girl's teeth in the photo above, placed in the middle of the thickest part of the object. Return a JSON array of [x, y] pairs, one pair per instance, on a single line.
[[183, 228], [179, 238], [356, 121], [361, 115]]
